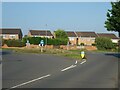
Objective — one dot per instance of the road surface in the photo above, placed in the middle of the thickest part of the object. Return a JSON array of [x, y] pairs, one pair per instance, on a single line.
[[50, 71]]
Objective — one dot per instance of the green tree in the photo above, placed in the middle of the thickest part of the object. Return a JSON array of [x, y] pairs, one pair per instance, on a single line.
[[113, 18], [104, 43], [61, 34]]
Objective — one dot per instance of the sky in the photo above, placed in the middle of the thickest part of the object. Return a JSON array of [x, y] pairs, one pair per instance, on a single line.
[[69, 16]]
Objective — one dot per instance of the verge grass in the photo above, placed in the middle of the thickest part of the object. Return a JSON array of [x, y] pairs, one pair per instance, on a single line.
[[75, 54]]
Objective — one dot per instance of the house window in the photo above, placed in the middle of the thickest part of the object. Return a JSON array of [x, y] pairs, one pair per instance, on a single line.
[[4, 36], [12, 36], [1, 36], [88, 39], [71, 38]]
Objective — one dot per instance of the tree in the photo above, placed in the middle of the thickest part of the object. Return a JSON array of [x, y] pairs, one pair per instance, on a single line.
[[104, 43], [61, 34], [113, 18]]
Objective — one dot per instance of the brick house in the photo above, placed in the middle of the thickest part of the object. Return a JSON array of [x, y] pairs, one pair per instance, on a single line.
[[40, 33], [88, 38], [112, 36], [72, 37], [11, 33]]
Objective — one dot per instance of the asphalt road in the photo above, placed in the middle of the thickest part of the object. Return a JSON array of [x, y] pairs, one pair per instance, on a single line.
[[49, 71]]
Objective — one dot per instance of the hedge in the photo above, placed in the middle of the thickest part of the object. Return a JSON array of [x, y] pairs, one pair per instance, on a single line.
[[36, 41], [104, 43], [14, 43], [82, 44], [93, 44]]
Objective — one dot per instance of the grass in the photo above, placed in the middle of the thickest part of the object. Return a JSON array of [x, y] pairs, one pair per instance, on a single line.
[[67, 53], [105, 51], [75, 54]]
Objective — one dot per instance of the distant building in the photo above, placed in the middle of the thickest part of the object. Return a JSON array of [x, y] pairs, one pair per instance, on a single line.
[[40, 33], [72, 37], [11, 33], [88, 38], [112, 36]]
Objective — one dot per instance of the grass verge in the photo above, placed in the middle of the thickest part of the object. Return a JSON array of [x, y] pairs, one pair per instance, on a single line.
[[75, 54]]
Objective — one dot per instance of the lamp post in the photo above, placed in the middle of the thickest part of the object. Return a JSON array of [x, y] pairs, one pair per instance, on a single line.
[[46, 35]]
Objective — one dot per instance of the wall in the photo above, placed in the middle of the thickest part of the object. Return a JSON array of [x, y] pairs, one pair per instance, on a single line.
[[73, 40], [115, 40], [86, 40], [40, 36], [10, 36]]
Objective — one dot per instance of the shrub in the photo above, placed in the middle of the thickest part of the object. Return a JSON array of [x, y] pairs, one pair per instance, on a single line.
[[3, 42], [118, 49], [15, 43], [36, 41], [82, 44], [32, 40], [93, 44], [104, 43]]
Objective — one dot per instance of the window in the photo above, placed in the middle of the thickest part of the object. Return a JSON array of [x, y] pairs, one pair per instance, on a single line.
[[1, 36], [71, 38], [4, 36], [12, 36]]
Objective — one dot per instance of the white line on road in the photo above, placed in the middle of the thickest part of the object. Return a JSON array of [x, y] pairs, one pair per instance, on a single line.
[[83, 62], [72, 66], [31, 81], [76, 62]]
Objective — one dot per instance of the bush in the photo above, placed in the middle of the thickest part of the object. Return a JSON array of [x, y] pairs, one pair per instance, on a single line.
[[32, 40], [36, 41], [3, 42], [82, 44], [15, 43], [104, 43], [118, 49], [93, 44]]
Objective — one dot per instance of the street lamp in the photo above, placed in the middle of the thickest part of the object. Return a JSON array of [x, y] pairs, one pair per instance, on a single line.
[[46, 35]]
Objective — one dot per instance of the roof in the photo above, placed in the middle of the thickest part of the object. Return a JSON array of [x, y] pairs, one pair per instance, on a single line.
[[71, 34], [10, 31], [109, 35], [86, 34], [41, 32]]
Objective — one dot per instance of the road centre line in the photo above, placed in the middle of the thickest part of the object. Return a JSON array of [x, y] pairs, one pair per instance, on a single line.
[[72, 66], [83, 62], [30, 81]]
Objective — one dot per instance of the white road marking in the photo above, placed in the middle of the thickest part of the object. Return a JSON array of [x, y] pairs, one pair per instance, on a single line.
[[31, 81], [83, 62], [72, 66], [76, 62]]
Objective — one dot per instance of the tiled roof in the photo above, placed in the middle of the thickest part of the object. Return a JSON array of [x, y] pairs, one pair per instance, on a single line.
[[71, 34], [86, 34], [41, 32], [10, 31], [109, 35]]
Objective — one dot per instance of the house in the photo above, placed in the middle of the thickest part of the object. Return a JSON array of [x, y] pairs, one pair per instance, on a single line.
[[72, 37], [112, 36], [40, 33], [11, 33], [87, 38]]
